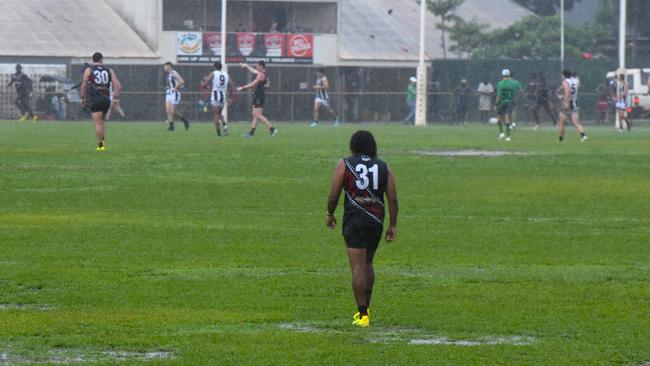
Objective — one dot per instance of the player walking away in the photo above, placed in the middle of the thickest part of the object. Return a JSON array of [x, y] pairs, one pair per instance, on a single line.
[[174, 83], [622, 89], [25, 91], [542, 101], [322, 99], [570, 110], [96, 94], [260, 84], [506, 94], [219, 96], [365, 180]]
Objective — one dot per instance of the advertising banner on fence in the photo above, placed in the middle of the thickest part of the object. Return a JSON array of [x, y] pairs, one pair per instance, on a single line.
[[189, 44], [278, 48]]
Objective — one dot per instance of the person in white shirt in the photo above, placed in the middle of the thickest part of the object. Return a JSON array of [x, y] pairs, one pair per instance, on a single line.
[[219, 95], [486, 93]]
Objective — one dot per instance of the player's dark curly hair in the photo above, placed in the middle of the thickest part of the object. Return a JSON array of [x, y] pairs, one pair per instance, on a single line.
[[363, 143]]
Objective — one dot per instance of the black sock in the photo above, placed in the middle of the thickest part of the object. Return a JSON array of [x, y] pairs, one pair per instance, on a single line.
[[582, 134], [218, 132], [101, 144], [561, 138], [363, 310], [252, 131], [225, 124], [272, 129]]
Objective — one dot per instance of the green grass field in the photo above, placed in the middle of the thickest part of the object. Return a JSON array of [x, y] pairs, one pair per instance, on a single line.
[[173, 248]]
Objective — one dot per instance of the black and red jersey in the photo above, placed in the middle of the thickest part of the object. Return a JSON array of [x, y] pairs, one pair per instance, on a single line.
[[364, 185], [99, 82]]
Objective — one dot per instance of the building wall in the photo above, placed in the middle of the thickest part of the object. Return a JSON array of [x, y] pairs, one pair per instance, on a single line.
[[144, 16]]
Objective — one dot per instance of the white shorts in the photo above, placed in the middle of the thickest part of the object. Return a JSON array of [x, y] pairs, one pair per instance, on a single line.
[[173, 97], [621, 104], [218, 98], [323, 102]]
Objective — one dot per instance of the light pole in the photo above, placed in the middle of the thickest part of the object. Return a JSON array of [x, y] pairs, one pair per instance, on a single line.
[[562, 33], [421, 97], [223, 50], [622, 35]]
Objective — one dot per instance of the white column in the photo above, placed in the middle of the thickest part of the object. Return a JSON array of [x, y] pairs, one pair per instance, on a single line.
[[421, 97], [622, 38], [562, 34], [224, 49]]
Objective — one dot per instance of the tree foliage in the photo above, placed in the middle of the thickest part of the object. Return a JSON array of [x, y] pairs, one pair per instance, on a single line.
[[533, 37], [446, 11], [546, 7]]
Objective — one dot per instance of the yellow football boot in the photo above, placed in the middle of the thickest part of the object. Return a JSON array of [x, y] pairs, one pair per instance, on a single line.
[[362, 322], [23, 118], [358, 314]]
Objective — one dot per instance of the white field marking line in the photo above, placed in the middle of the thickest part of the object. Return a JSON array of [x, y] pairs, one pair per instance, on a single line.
[[416, 336], [39, 307], [488, 341], [72, 356], [470, 153]]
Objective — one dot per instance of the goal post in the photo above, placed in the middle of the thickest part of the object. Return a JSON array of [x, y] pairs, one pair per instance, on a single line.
[[421, 97]]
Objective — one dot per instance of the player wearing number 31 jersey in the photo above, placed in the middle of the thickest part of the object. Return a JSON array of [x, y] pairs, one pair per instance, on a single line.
[[364, 179], [96, 86], [219, 95]]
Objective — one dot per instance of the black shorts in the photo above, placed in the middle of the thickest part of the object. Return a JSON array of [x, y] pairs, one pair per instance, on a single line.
[[100, 105], [504, 108], [258, 101], [362, 234]]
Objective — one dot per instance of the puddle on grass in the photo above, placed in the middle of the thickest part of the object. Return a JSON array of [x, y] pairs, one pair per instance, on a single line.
[[37, 307], [391, 335], [469, 153], [75, 356]]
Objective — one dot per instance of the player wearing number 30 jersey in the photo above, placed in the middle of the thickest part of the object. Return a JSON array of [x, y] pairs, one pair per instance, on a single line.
[[365, 180], [219, 95], [96, 86]]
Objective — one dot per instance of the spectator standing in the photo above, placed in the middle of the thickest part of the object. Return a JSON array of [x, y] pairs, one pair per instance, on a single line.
[[461, 94], [486, 93], [411, 91]]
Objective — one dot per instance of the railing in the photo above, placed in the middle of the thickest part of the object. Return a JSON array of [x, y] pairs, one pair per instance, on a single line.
[[297, 106]]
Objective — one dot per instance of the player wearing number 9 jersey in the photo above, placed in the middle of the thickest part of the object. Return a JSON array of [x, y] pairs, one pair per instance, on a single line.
[[96, 86], [219, 95], [365, 180]]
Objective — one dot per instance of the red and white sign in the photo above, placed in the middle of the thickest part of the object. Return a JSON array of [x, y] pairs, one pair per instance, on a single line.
[[274, 44], [300, 45], [246, 43], [212, 42]]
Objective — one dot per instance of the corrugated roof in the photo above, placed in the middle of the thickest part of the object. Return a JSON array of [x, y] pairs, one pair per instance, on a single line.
[[396, 35], [66, 28]]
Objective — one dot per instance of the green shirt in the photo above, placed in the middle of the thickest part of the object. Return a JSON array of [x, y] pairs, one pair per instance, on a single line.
[[411, 90], [507, 90]]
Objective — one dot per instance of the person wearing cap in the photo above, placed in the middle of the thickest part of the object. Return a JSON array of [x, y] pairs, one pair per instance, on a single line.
[[461, 94], [507, 90], [25, 91], [411, 91]]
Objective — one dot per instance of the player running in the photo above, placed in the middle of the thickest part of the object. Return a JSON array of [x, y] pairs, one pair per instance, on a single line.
[[322, 99], [506, 94], [260, 84], [96, 94], [622, 90], [570, 110], [221, 92], [25, 90], [174, 83], [365, 180]]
